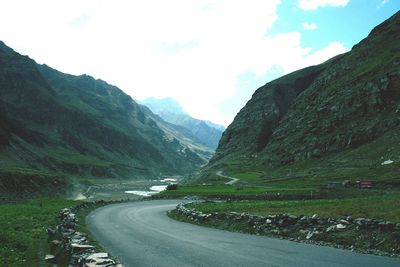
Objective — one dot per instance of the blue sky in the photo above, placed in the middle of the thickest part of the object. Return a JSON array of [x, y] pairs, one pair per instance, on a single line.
[[210, 55], [348, 24]]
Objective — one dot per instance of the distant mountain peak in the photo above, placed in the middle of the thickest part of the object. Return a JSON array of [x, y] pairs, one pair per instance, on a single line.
[[158, 105], [171, 111]]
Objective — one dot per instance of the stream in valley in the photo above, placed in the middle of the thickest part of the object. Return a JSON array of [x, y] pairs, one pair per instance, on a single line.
[[124, 190]]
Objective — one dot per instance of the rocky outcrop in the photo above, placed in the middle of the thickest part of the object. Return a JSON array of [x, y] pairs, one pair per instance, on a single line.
[[344, 103], [74, 244], [368, 234]]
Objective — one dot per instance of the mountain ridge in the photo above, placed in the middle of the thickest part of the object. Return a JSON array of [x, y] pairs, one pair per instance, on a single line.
[[169, 109], [71, 125], [339, 105]]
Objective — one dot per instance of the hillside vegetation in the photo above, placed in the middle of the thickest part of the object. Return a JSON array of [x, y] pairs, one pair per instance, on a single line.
[[335, 121], [54, 124], [207, 133]]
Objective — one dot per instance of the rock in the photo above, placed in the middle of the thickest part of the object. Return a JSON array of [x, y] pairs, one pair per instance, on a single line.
[[302, 227], [387, 162], [101, 263], [304, 218], [331, 228], [49, 257], [344, 222], [340, 226], [360, 221], [76, 244], [309, 235], [276, 231], [50, 231], [65, 232], [98, 255], [56, 242], [76, 248]]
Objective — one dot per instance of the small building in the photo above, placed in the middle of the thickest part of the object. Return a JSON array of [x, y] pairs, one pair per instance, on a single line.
[[172, 186]]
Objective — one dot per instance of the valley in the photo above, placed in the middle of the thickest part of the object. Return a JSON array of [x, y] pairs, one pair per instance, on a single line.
[[110, 190], [311, 159]]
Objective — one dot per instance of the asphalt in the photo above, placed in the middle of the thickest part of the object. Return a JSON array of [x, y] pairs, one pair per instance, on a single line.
[[141, 234]]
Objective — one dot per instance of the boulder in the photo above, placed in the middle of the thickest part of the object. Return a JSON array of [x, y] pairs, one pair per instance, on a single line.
[[77, 248], [340, 226], [49, 257]]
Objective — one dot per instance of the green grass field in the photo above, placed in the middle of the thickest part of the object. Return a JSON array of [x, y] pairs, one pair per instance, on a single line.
[[22, 233], [376, 207], [228, 190]]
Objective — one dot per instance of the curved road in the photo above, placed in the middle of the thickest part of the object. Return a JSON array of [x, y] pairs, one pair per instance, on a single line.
[[232, 179], [140, 234]]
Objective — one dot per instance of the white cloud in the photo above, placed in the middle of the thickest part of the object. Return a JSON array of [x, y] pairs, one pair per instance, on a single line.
[[309, 5], [331, 50], [382, 3], [309, 26], [193, 51]]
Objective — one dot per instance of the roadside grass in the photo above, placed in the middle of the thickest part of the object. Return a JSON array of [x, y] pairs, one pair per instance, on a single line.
[[362, 240], [319, 172], [22, 233], [23, 237], [374, 207], [228, 190]]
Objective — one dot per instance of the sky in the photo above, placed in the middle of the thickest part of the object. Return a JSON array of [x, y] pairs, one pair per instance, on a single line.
[[209, 55]]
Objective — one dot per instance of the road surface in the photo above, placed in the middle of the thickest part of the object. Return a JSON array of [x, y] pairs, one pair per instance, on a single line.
[[141, 234], [232, 179]]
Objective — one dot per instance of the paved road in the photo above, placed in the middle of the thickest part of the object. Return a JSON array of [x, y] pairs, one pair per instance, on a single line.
[[232, 179], [140, 234]]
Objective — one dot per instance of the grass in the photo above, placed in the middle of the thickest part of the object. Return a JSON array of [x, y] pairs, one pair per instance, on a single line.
[[69, 157], [361, 163], [228, 190], [17, 183], [22, 233], [377, 207], [23, 237]]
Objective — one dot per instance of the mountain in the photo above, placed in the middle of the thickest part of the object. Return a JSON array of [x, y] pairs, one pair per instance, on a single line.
[[163, 105], [349, 105], [216, 126], [170, 110], [60, 125]]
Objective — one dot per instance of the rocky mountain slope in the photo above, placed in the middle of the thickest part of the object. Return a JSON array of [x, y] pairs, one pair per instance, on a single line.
[[78, 126], [170, 110], [343, 104]]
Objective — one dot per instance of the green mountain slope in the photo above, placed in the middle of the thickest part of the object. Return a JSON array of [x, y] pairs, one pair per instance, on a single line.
[[330, 114], [207, 133], [76, 125]]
